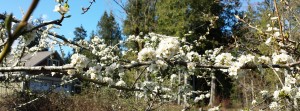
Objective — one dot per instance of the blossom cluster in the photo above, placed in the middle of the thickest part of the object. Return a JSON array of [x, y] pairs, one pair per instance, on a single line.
[[79, 62], [61, 7], [167, 48], [226, 59]]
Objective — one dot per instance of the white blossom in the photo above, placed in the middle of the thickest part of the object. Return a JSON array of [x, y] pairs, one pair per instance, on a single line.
[[276, 94], [276, 34], [59, 1], [191, 65], [297, 94], [274, 18], [167, 47], [108, 80], [224, 59], [286, 89], [253, 102], [148, 85], [290, 80], [233, 69], [121, 83], [192, 56], [93, 76], [282, 58], [61, 9], [173, 77], [216, 108], [264, 92], [245, 59], [146, 54], [79, 61], [274, 106], [268, 41], [264, 60], [197, 99], [161, 64], [269, 29], [71, 71], [207, 95], [275, 29]]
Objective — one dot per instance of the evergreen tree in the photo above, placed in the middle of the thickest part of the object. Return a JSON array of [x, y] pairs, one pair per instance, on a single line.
[[80, 34], [88, 53], [172, 17], [178, 17], [92, 35], [140, 16], [108, 29]]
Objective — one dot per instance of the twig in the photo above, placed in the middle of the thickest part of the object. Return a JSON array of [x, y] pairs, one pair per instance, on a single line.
[[121, 7], [88, 8], [278, 77], [17, 32], [279, 20], [57, 22], [138, 78]]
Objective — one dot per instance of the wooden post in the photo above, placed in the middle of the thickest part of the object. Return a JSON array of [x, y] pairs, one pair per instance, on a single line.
[[185, 83], [178, 97], [212, 90]]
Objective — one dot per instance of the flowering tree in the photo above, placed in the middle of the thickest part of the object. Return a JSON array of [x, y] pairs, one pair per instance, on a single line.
[[165, 63]]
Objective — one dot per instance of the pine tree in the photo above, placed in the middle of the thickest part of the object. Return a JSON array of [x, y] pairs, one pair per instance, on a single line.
[[80, 34], [108, 29], [140, 17], [178, 17]]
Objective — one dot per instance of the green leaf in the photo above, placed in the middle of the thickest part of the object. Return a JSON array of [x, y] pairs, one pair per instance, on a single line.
[[68, 16]]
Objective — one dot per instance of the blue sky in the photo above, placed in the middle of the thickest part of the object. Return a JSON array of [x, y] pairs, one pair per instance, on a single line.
[[45, 8], [88, 20]]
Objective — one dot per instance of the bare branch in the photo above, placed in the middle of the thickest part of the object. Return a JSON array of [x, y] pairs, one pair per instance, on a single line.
[[88, 8], [57, 22], [121, 6]]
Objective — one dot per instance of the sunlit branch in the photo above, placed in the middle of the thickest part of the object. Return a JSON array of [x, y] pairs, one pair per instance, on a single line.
[[139, 64], [36, 68], [56, 22], [17, 32], [66, 40], [279, 20]]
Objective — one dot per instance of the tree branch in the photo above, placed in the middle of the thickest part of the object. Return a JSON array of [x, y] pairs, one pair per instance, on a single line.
[[80, 77], [88, 8], [36, 68], [139, 64], [17, 32]]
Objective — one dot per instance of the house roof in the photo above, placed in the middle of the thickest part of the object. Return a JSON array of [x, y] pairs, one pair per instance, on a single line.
[[33, 59]]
